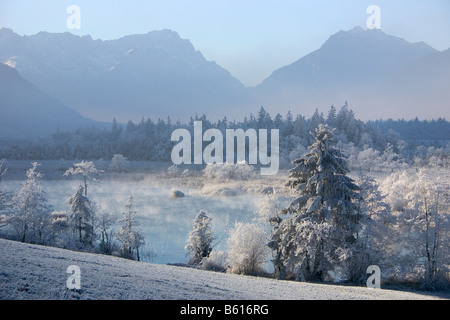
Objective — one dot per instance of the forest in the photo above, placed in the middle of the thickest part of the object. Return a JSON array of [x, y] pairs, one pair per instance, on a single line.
[[406, 141]]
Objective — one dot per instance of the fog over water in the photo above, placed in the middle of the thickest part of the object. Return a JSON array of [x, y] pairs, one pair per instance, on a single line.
[[164, 221]]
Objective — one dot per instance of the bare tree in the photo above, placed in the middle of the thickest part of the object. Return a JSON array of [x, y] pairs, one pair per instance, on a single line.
[[104, 223]]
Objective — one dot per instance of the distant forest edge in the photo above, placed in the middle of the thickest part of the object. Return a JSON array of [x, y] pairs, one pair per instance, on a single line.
[[151, 140]]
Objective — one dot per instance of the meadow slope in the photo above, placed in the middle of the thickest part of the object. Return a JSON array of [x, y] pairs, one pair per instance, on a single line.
[[33, 272]]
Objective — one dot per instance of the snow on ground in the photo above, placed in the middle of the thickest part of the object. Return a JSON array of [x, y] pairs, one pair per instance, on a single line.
[[37, 272]]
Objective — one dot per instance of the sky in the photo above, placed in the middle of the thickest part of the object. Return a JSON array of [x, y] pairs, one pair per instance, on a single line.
[[249, 38]]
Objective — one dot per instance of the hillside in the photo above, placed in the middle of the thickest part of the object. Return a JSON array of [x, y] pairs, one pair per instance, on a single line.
[[28, 112], [32, 272]]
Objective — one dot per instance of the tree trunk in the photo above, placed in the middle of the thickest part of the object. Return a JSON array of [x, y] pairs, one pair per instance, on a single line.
[[24, 232]]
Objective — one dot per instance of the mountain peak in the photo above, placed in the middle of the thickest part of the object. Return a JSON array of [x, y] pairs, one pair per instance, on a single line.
[[358, 65], [4, 30], [356, 29], [360, 32], [166, 33], [6, 33], [366, 41], [154, 35]]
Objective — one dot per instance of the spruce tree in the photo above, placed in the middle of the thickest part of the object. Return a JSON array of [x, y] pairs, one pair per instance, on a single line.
[[199, 242], [31, 210], [128, 234], [315, 234], [81, 216]]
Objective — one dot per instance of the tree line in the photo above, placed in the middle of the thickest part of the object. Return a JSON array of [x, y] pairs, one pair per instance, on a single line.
[[150, 140]]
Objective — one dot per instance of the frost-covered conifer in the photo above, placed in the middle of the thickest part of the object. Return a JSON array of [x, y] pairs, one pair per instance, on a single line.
[[31, 211], [3, 168], [119, 163], [313, 236], [128, 234], [81, 216], [199, 242]]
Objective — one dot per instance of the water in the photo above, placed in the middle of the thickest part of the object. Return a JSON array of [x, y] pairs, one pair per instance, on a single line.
[[164, 221]]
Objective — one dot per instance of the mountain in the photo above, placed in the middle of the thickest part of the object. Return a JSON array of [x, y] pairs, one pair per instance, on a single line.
[[26, 111], [426, 81], [157, 74], [368, 68]]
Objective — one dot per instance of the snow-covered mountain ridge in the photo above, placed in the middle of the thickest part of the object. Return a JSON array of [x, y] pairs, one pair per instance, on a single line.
[[33, 272]]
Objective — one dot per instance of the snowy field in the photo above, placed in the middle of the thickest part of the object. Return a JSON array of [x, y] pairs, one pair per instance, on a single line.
[[40, 273]]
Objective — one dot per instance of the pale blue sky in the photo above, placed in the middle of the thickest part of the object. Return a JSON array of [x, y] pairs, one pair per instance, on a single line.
[[250, 38]]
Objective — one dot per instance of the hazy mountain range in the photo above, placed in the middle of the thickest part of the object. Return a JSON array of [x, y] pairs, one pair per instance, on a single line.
[[26, 111], [59, 77], [381, 76], [152, 75]]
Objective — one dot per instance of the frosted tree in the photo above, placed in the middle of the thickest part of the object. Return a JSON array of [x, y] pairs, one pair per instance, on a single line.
[[216, 261], [267, 209], [31, 211], [369, 159], [87, 170], [104, 222], [81, 216], [420, 203], [375, 234], [6, 210], [229, 171], [389, 156], [119, 163], [315, 234], [60, 229], [199, 241], [128, 235], [248, 249], [3, 168], [268, 206], [4, 197]]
